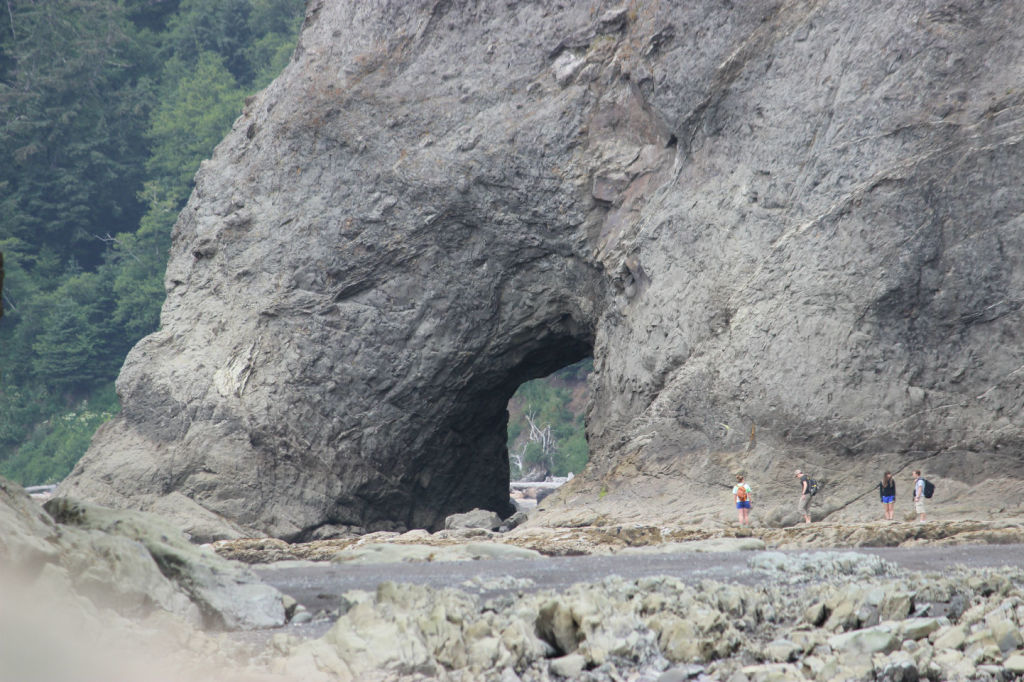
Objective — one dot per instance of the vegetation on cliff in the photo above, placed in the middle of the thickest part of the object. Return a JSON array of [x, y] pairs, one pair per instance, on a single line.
[[546, 427], [107, 109]]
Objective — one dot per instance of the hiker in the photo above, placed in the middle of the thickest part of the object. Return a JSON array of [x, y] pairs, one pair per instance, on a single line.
[[741, 494], [919, 495], [805, 496], [887, 491]]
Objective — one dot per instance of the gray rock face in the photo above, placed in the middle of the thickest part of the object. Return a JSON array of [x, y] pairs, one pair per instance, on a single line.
[[29, 537], [789, 233], [228, 595], [133, 563]]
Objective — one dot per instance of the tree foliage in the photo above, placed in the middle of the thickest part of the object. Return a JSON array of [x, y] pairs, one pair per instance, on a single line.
[[546, 425], [54, 445], [186, 125], [73, 109], [107, 107]]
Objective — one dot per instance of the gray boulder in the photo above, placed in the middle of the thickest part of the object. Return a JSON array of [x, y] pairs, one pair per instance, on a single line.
[[476, 518], [516, 520], [28, 536], [1014, 664], [877, 639], [569, 666], [228, 594]]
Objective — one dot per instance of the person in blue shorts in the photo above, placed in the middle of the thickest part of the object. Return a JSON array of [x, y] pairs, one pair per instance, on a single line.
[[741, 494], [887, 491]]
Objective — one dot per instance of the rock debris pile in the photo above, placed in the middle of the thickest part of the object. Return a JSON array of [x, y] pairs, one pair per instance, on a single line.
[[620, 538], [821, 616]]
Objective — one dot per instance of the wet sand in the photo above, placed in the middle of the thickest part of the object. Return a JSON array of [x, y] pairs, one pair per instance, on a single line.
[[319, 586]]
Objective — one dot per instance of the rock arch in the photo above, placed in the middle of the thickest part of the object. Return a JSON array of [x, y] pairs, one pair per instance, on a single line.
[[774, 215]]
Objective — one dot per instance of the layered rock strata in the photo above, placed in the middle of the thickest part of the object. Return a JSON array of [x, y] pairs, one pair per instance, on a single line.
[[789, 234]]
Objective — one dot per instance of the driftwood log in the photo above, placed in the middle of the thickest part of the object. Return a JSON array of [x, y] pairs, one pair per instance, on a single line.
[[540, 485]]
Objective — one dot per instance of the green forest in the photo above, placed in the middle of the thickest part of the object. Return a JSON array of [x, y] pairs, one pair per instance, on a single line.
[[107, 107], [545, 426]]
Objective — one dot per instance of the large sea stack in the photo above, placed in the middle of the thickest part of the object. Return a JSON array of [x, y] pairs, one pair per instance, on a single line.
[[789, 233]]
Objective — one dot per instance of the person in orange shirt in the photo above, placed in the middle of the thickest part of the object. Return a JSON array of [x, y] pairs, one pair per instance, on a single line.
[[741, 494]]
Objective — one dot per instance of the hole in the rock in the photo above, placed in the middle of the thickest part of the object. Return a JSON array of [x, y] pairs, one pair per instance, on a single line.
[[546, 437]]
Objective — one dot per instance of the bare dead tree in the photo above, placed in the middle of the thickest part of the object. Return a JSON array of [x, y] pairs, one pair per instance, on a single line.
[[110, 239], [539, 435], [543, 436], [516, 457]]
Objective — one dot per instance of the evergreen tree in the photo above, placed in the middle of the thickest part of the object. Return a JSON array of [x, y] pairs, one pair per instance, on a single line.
[[107, 107], [73, 352], [73, 124], [189, 123], [141, 259]]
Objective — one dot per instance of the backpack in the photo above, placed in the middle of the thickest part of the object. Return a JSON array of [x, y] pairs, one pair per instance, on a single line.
[[812, 486], [741, 493], [929, 488]]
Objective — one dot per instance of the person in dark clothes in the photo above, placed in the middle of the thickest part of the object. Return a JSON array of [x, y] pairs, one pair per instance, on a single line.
[[887, 491], [804, 506]]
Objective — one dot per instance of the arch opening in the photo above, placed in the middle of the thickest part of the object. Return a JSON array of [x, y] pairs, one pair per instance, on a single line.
[[470, 467], [546, 434]]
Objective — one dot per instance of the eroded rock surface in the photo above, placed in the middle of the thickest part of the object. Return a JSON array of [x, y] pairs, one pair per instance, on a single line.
[[227, 594], [130, 563], [790, 234], [820, 616]]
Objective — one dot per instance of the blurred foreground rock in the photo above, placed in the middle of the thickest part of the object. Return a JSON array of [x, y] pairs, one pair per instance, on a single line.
[[130, 562], [229, 596]]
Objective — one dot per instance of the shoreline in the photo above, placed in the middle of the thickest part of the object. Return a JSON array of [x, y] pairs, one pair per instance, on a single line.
[[555, 541]]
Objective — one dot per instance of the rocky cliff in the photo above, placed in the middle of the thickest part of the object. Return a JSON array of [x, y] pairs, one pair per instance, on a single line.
[[789, 233]]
